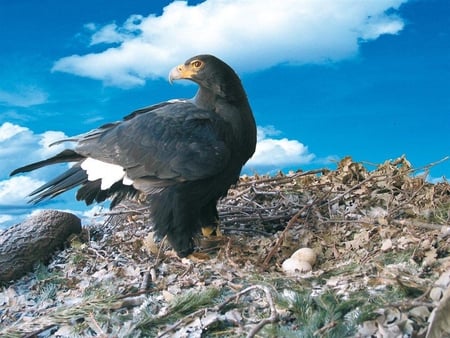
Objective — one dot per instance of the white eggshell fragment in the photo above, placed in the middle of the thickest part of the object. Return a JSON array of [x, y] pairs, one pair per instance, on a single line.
[[306, 255], [292, 266]]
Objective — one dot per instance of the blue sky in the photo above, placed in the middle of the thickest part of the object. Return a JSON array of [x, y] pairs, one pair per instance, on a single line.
[[325, 78]]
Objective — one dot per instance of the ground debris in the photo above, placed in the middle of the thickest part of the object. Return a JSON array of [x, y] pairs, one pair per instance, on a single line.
[[381, 236]]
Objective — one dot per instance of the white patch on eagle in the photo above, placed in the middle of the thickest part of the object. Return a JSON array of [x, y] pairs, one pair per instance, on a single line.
[[107, 172]]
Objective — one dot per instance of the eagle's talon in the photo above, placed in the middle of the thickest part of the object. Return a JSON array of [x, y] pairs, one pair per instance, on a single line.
[[211, 231]]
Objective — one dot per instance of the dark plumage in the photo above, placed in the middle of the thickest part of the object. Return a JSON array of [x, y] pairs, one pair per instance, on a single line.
[[183, 154]]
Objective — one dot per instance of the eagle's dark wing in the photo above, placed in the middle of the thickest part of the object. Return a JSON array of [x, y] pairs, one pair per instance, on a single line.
[[175, 141], [183, 155]]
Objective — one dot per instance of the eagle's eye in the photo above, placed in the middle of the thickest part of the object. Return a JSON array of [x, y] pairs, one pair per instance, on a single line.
[[196, 64]]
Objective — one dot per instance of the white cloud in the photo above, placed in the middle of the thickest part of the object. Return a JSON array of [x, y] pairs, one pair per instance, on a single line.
[[46, 139], [20, 146], [12, 114], [278, 152], [14, 140], [114, 34], [432, 179], [9, 130], [107, 34], [94, 215], [23, 97], [14, 191], [5, 218], [248, 34]]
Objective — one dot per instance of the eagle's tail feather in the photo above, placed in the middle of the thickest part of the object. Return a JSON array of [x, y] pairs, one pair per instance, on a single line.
[[67, 155], [66, 181]]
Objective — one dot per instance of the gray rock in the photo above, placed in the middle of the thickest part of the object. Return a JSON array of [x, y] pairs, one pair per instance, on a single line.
[[34, 240]]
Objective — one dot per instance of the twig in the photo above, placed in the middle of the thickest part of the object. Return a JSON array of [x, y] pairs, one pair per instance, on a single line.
[[149, 275], [402, 205], [271, 319], [239, 194], [410, 304], [130, 301], [179, 322], [273, 313], [97, 327], [91, 249], [52, 328], [381, 175], [356, 186], [281, 179], [428, 226], [432, 164], [146, 280], [228, 256], [262, 192], [236, 296], [325, 328], [255, 218], [160, 252], [122, 212], [280, 240], [254, 231]]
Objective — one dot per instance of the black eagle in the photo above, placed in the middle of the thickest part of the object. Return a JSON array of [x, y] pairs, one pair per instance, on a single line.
[[184, 154]]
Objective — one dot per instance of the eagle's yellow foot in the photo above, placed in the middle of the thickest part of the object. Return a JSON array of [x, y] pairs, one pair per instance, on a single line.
[[212, 238], [197, 257], [210, 231]]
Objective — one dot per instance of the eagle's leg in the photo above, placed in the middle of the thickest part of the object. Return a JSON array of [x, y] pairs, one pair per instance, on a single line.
[[210, 220], [184, 226], [176, 213], [174, 216]]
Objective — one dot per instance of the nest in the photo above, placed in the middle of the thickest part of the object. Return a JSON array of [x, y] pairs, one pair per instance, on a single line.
[[382, 238]]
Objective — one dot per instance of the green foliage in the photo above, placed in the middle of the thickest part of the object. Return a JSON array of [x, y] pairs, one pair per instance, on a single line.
[[326, 315], [48, 291], [392, 257], [78, 259], [42, 272], [339, 271], [181, 306], [47, 283], [192, 301]]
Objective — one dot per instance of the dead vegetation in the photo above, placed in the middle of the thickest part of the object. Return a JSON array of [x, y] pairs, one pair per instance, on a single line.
[[382, 238]]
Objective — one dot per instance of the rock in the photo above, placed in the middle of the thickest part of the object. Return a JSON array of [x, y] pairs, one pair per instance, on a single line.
[[420, 312], [444, 280], [34, 240], [436, 294]]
